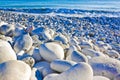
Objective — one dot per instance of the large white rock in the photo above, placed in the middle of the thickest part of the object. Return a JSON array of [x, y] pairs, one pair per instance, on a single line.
[[44, 68], [92, 53], [24, 42], [105, 66], [80, 71], [100, 78], [6, 52], [61, 65], [77, 57], [51, 51], [14, 70]]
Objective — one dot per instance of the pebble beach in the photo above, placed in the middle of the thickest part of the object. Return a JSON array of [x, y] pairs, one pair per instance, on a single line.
[[59, 44]]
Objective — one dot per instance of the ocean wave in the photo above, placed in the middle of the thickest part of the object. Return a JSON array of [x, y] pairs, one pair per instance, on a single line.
[[66, 12]]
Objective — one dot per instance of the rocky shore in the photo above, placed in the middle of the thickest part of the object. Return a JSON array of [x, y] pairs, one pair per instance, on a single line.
[[58, 47]]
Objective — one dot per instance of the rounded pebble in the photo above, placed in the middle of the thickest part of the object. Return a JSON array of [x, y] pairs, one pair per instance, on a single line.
[[77, 57], [51, 51], [92, 53], [61, 65]]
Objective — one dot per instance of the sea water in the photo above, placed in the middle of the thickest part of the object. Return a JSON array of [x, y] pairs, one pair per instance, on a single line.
[[113, 5]]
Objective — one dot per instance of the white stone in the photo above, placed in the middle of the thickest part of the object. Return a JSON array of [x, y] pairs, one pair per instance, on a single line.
[[92, 53], [51, 51], [61, 65], [44, 68], [36, 41], [105, 66], [18, 30], [61, 38], [77, 57], [73, 41], [103, 47], [113, 54], [71, 49], [14, 70], [36, 55], [78, 47], [24, 42], [52, 32], [80, 71], [46, 34], [6, 52], [86, 44]]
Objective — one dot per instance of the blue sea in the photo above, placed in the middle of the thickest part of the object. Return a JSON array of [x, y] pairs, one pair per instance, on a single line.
[[109, 5]]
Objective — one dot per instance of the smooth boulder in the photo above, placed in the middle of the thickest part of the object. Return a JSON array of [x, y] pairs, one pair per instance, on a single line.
[[80, 71], [14, 70], [51, 51], [105, 66], [61, 65], [6, 52]]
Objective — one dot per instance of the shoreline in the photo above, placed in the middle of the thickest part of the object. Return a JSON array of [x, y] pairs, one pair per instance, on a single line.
[[42, 18]]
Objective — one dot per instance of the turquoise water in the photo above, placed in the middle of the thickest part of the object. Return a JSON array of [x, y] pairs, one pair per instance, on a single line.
[[76, 4]]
